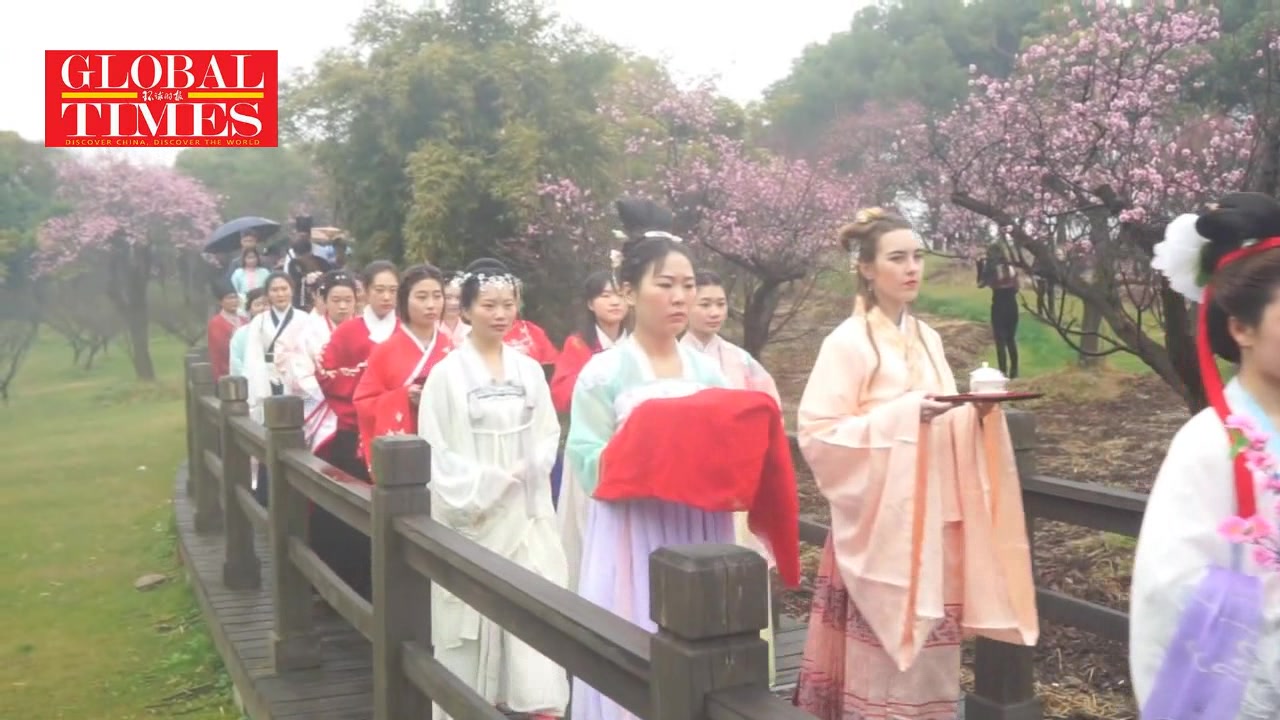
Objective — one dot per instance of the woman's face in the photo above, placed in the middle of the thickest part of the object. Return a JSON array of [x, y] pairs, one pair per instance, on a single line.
[[426, 300], [230, 303], [709, 310], [341, 303], [452, 301], [258, 305], [493, 311], [250, 260], [898, 266], [1260, 345], [382, 293], [280, 293], [665, 294], [608, 307]]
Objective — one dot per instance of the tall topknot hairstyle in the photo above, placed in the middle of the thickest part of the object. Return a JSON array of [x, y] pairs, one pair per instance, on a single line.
[[647, 238]]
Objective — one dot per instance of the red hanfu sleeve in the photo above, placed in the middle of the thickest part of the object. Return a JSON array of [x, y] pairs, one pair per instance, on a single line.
[[543, 350], [569, 365], [218, 337]]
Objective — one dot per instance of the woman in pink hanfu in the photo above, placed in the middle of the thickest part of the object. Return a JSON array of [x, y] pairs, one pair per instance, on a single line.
[[928, 539], [743, 372]]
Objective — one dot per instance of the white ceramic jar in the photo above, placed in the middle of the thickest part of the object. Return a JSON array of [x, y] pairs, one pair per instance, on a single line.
[[987, 380]]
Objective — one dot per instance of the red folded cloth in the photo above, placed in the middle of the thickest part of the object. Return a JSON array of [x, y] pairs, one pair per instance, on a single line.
[[717, 450]]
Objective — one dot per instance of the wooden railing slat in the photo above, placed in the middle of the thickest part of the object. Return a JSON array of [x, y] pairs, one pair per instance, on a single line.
[[435, 681], [347, 602]]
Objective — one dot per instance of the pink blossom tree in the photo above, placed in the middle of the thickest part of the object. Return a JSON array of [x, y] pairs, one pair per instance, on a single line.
[[1080, 158], [770, 220], [132, 222]]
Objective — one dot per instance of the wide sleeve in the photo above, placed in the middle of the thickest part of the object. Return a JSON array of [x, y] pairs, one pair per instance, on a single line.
[[218, 337], [301, 361], [591, 424], [836, 434], [330, 375], [546, 431], [759, 379], [464, 492], [1178, 542], [255, 367], [238, 282], [569, 365], [236, 355]]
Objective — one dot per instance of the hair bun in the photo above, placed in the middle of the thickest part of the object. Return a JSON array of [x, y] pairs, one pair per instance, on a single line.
[[1235, 219], [864, 224], [639, 216], [487, 266]]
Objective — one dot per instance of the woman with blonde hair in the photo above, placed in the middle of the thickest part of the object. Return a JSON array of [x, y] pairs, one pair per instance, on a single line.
[[928, 541]]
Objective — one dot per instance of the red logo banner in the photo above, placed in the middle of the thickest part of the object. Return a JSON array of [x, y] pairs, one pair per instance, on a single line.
[[161, 98]]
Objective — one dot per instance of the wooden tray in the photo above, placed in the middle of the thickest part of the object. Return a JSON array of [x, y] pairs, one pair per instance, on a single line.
[[988, 397]]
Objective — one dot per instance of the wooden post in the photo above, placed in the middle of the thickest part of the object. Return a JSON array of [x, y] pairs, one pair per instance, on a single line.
[[710, 603], [192, 357], [241, 570], [401, 595], [294, 642], [1004, 674], [208, 514]]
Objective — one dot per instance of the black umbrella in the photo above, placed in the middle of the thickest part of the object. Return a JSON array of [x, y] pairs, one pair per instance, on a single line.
[[226, 239]]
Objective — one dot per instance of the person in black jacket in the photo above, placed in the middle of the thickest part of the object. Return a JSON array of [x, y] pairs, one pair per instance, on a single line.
[[995, 272]]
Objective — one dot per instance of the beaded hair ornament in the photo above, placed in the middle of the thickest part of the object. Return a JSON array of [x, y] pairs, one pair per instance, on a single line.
[[491, 280]]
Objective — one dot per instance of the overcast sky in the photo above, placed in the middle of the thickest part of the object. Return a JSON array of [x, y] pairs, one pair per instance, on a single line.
[[745, 49]]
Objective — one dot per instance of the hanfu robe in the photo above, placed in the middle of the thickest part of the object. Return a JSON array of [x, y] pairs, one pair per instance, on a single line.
[[493, 443], [382, 395], [239, 343], [272, 335], [456, 332], [743, 372], [614, 539], [344, 359], [531, 340], [573, 357], [1180, 541], [218, 337], [928, 538]]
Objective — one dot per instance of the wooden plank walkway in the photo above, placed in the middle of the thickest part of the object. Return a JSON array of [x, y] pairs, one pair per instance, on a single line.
[[240, 622]]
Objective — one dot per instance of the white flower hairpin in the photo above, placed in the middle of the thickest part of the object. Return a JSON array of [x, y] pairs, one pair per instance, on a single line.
[[1177, 257]]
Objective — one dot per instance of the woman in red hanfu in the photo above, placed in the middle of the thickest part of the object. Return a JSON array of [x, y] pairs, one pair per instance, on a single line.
[[222, 326], [601, 327], [343, 362], [530, 339], [386, 397]]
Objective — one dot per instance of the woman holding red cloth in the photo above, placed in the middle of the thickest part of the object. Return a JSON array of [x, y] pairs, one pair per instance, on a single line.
[[639, 411], [386, 397]]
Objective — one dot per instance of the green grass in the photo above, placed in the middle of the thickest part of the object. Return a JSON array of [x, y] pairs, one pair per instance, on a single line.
[[88, 461], [1041, 350]]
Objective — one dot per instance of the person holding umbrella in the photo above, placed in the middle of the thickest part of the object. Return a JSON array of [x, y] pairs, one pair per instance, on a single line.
[[237, 236]]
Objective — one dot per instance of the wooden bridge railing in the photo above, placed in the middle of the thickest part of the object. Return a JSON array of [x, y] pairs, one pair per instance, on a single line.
[[706, 660], [709, 601]]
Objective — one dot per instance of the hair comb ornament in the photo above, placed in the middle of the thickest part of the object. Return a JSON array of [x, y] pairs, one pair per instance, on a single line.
[[655, 234], [1179, 257]]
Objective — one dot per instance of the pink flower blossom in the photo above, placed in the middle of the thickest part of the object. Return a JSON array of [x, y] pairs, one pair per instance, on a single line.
[[1239, 530], [1253, 435]]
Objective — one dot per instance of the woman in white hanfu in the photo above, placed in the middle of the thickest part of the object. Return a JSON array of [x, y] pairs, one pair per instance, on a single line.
[[1204, 631], [486, 412], [274, 336], [656, 278]]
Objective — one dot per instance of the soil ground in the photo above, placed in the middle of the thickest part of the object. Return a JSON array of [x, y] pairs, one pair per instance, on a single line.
[[1094, 426]]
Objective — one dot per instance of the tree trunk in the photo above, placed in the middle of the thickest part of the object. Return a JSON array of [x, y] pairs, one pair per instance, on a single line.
[[131, 273], [1090, 345], [1180, 343], [757, 317]]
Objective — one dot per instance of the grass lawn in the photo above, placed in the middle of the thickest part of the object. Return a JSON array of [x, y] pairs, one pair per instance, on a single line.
[[953, 294], [88, 464]]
